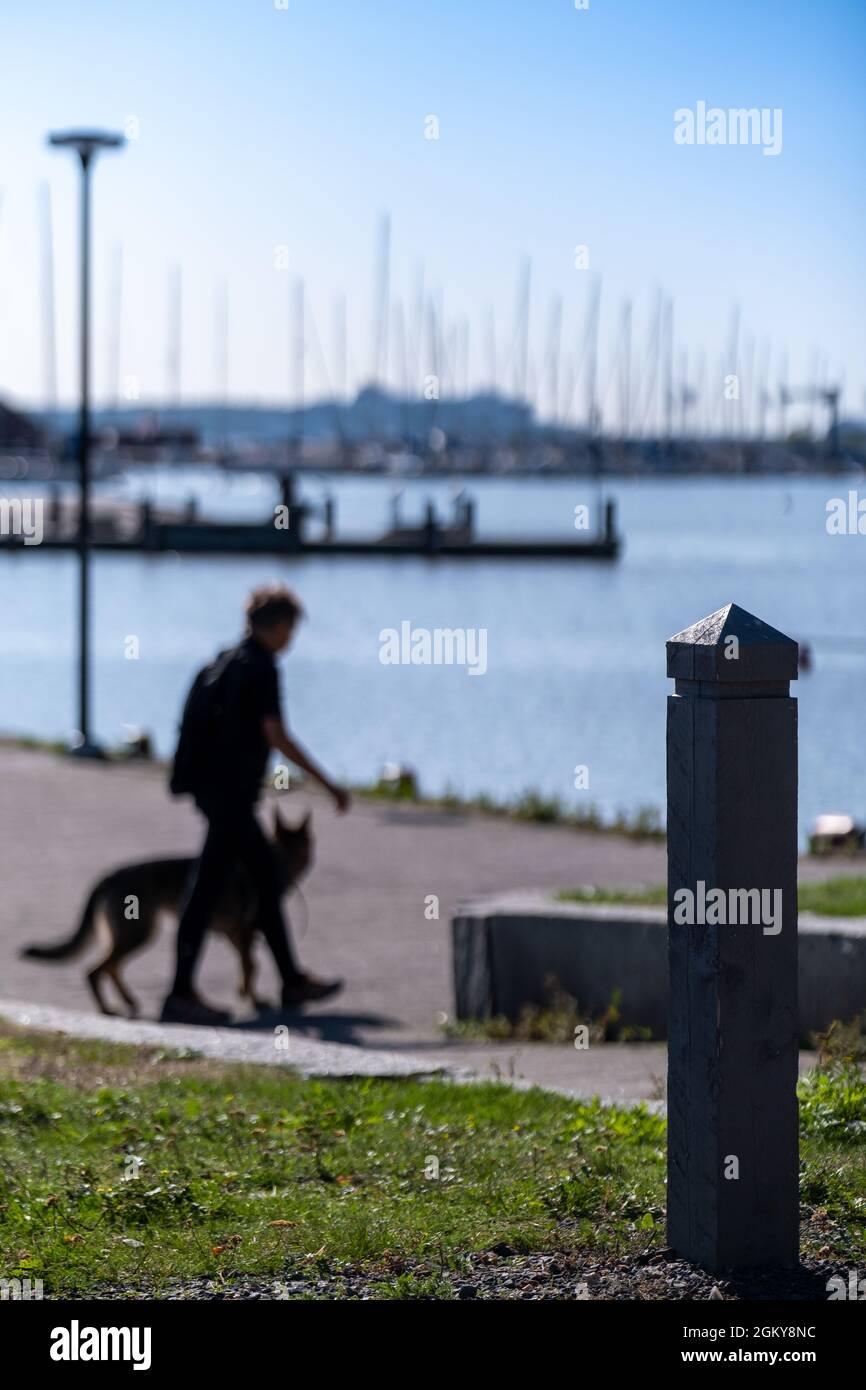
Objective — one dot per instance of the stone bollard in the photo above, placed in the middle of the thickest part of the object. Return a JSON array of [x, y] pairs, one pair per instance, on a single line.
[[732, 943]]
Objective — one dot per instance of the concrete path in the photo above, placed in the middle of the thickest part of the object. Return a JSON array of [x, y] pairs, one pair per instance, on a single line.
[[63, 824], [273, 1046], [617, 1073]]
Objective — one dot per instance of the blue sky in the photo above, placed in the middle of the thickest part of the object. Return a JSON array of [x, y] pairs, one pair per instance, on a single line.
[[260, 127]]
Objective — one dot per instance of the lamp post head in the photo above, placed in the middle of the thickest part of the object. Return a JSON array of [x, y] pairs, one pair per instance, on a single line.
[[86, 143]]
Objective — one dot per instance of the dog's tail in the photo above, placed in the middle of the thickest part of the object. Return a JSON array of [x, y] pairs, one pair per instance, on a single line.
[[73, 944]]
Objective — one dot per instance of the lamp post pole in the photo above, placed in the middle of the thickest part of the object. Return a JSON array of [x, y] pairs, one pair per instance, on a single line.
[[85, 144], [84, 470]]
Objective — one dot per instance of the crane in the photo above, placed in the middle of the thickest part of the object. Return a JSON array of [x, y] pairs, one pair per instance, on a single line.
[[829, 396]]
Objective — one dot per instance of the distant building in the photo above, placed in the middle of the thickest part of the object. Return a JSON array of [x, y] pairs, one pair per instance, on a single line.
[[17, 432]]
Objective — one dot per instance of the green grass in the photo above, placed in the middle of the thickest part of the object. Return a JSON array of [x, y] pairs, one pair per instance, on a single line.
[[252, 1171], [834, 897], [532, 806], [37, 745], [637, 897]]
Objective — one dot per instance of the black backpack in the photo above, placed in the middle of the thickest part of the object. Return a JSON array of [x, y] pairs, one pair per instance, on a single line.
[[199, 728]]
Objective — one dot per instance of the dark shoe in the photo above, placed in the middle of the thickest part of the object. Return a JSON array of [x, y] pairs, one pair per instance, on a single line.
[[177, 1010], [308, 990]]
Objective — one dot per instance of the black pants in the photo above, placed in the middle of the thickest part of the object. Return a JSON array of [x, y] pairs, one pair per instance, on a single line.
[[233, 836]]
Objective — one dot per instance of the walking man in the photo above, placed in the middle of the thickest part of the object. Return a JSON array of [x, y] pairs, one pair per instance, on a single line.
[[232, 720]]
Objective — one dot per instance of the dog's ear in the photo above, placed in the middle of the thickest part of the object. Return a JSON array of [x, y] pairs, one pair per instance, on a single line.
[[279, 824]]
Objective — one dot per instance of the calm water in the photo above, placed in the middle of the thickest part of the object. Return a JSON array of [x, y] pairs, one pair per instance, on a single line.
[[576, 670]]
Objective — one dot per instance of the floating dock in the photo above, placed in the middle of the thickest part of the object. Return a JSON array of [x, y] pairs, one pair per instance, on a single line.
[[140, 527]]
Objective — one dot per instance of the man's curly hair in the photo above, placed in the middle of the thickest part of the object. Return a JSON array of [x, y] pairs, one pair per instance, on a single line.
[[272, 603]]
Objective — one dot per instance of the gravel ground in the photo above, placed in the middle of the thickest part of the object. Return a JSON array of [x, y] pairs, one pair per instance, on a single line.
[[500, 1274]]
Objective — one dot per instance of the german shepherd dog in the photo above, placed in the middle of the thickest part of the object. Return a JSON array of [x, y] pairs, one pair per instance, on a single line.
[[160, 885]]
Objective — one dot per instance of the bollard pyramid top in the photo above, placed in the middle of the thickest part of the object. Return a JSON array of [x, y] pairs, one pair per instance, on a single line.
[[704, 651]]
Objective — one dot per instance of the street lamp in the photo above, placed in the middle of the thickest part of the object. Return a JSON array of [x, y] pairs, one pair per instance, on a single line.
[[86, 144]]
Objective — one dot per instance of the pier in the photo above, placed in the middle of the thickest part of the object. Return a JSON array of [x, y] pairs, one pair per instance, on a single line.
[[142, 527]]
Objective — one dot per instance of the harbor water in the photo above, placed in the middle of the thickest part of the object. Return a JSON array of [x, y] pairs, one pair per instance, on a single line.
[[574, 671]]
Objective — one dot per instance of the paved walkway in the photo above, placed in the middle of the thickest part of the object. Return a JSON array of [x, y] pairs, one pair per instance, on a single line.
[[260, 1046], [63, 824]]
